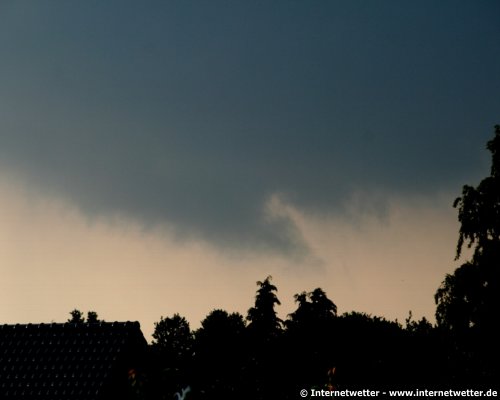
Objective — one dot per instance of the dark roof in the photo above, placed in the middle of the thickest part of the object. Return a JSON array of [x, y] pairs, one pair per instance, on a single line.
[[67, 361]]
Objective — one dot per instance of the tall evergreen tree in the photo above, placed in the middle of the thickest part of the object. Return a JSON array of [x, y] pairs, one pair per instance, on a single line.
[[264, 331], [263, 319]]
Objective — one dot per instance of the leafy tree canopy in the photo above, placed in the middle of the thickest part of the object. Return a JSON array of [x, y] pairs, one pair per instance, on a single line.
[[313, 308], [172, 335], [78, 318], [479, 208], [466, 299], [219, 325]]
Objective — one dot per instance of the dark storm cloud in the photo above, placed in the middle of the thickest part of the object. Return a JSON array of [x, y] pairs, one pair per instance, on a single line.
[[195, 113]]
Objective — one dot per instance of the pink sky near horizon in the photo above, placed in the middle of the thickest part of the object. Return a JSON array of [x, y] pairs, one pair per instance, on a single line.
[[55, 259]]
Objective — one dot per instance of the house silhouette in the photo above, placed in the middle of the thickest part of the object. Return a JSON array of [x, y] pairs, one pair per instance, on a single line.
[[70, 361]]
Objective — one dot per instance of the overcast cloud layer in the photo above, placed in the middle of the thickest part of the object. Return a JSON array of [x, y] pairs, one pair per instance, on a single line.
[[197, 114]]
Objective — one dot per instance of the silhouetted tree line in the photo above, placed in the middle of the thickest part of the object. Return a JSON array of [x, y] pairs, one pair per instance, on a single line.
[[261, 356]]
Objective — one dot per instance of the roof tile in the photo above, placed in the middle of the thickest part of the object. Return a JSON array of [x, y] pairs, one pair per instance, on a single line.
[[64, 361]]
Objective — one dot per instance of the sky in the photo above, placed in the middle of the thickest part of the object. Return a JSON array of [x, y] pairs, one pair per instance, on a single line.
[[163, 156]]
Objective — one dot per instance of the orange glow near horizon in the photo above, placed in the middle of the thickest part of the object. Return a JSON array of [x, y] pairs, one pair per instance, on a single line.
[[54, 259]]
